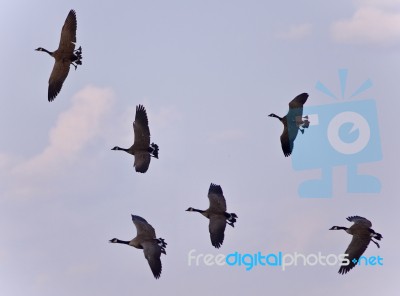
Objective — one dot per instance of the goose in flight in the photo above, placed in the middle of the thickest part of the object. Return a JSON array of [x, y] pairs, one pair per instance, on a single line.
[[141, 148], [362, 234], [292, 122], [64, 56], [146, 239], [217, 215]]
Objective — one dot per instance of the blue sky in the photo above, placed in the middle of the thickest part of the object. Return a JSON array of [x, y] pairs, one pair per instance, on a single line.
[[208, 73]]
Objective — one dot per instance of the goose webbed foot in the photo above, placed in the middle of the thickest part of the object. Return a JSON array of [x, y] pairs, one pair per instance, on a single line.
[[231, 221], [153, 149], [163, 251], [78, 51], [376, 243], [78, 56], [161, 242], [301, 130], [306, 122]]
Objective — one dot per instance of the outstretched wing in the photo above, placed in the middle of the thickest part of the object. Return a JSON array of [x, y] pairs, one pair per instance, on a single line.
[[68, 33], [286, 142], [298, 101], [357, 247], [217, 228], [142, 161], [296, 111], [152, 252], [217, 199], [360, 220], [141, 129], [57, 78], [142, 227]]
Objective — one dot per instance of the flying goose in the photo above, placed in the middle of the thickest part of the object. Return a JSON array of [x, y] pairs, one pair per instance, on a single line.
[[64, 56], [217, 214], [292, 122], [146, 240], [362, 235], [141, 148]]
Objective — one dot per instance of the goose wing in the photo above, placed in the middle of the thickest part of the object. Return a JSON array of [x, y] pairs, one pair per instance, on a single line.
[[141, 129], [142, 227], [298, 101], [142, 161], [360, 220], [217, 199], [68, 33], [152, 252], [57, 78], [357, 247], [295, 112], [217, 228], [287, 140]]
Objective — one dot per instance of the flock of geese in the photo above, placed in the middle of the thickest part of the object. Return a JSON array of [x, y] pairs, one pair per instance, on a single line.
[[143, 151]]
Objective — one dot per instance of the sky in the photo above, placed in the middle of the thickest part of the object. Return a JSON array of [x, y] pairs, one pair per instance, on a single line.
[[208, 74]]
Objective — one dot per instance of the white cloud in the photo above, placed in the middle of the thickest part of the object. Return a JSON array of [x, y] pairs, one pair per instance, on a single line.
[[296, 32], [73, 131], [374, 22]]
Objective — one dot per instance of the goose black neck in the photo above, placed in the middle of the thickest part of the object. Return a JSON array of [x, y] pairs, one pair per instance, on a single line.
[[339, 228], [119, 148], [276, 116], [49, 52], [199, 211], [122, 242]]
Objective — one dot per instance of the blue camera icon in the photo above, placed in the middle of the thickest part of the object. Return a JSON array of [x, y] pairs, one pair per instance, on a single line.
[[342, 133]]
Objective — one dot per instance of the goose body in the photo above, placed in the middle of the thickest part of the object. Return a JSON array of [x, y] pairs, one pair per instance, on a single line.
[[292, 122], [146, 240], [362, 234], [64, 56], [141, 148], [217, 215]]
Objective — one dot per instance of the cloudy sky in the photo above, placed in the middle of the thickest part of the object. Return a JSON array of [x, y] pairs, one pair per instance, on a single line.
[[208, 73]]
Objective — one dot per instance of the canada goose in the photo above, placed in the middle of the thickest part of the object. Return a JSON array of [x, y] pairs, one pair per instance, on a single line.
[[146, 240], [217, 214], [362, 235], [292, 122], [141, 148], [64, 56]]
